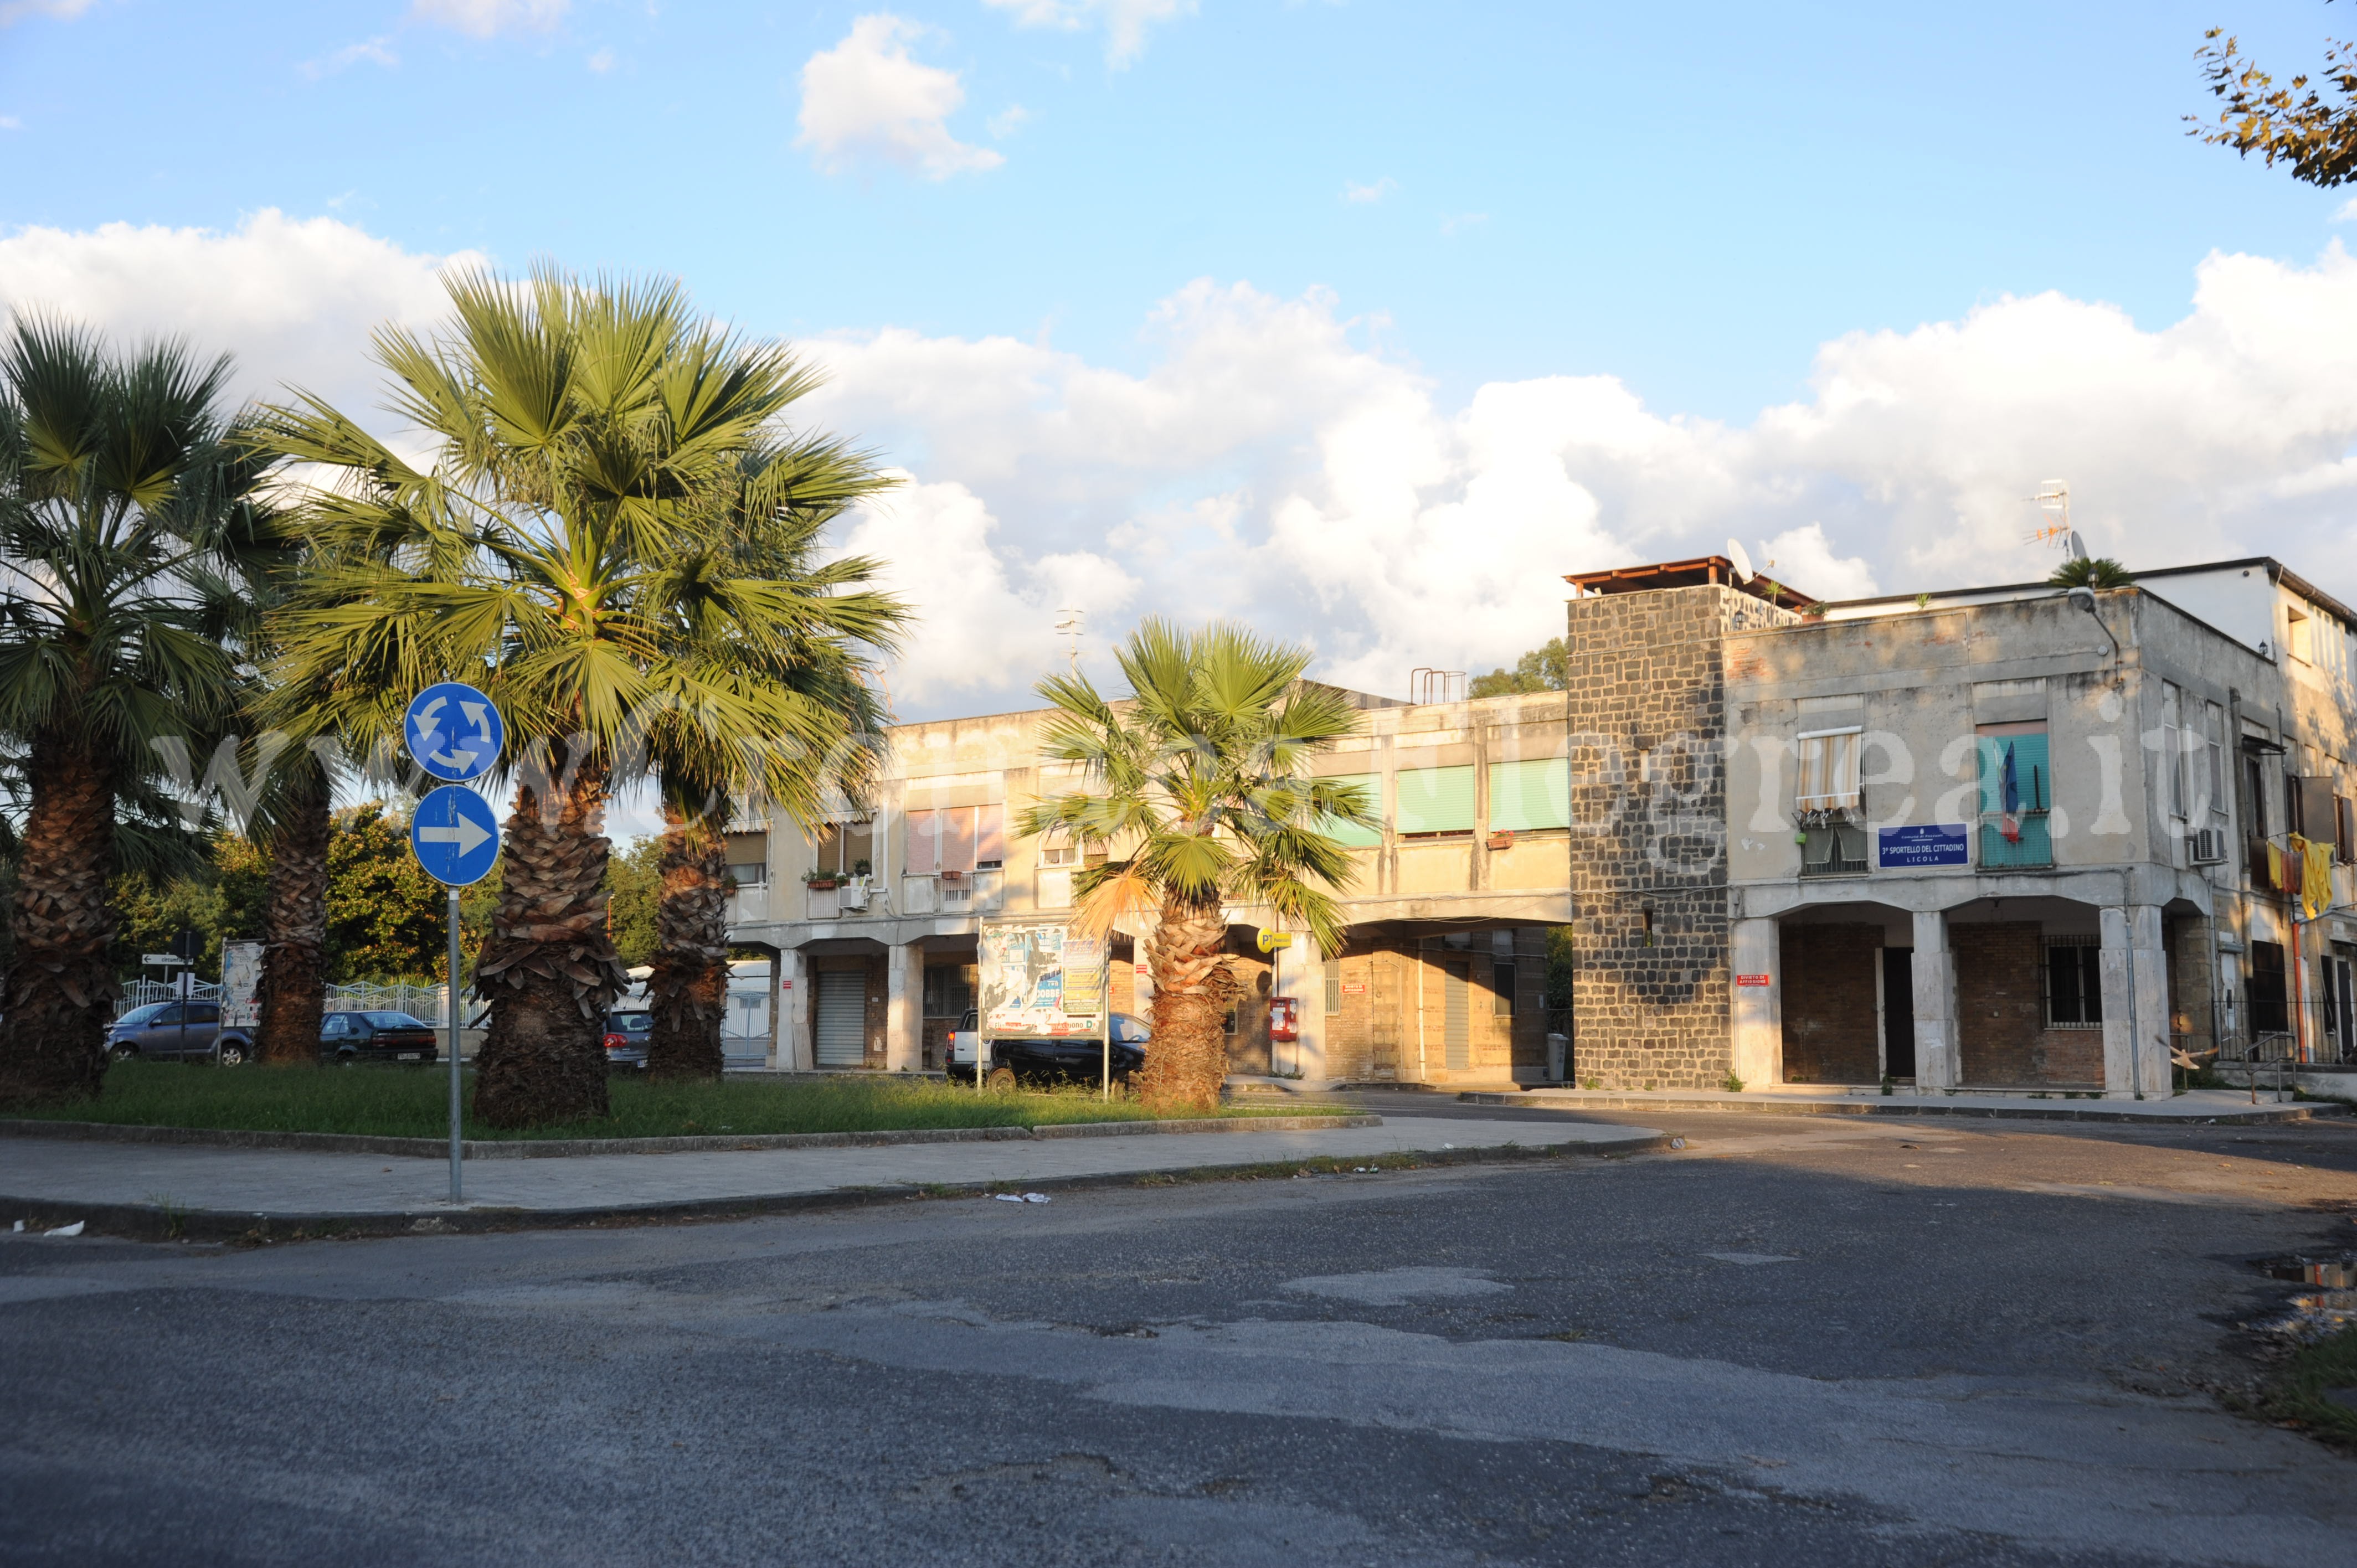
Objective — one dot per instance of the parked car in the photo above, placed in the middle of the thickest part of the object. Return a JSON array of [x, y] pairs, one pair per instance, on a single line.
[[625, 1039], [179, 1031], [1062, 1059], [348, 1038]]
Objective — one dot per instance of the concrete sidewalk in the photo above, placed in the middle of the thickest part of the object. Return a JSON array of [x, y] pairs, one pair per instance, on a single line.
[[143, 1188], [2200, 1105]]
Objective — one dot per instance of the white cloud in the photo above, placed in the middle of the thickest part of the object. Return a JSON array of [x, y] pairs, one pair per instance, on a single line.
[[377, 50], [602, 61], [1365, 193], [10, 122], [1461, 222], [866, 98], [1006, 122], [989, 611], [1267, 465], [488, 18], [1125, 21], [294, 299], [15, 11]]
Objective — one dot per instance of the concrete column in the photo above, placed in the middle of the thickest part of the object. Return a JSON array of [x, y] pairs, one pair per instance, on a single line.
[[2135, 1004], [793, 1051], [904, 1007], [1938, 1062], [1308, 989], [1757, 1029]]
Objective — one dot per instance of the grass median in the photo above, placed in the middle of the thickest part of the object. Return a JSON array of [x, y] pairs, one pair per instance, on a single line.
[[413, 1103]]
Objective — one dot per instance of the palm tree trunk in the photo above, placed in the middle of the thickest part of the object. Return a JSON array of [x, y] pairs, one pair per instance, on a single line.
[[689, 987], [549, 967], [1188, 1059], [60, 987], [294, 939]]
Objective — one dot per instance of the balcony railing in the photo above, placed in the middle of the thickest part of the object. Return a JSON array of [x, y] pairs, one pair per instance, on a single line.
[[2033, 847]]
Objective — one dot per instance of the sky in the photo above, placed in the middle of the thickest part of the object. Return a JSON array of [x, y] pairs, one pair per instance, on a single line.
[[1361, 323]]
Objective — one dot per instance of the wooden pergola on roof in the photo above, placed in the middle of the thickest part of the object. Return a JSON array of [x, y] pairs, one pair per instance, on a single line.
[[1700, 571]]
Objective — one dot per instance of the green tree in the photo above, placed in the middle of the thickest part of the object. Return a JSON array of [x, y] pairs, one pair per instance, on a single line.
[[2311, 124], [386, 918], [1546, 667], [1198, 789], [764, 523], [577, 431], [120, 495], [2098, 572], [633, 888]]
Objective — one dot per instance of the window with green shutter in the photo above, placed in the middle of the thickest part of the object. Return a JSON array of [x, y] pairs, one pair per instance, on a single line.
[[1527, 796], [1435, 800], [1351, 833], [2019, 837]]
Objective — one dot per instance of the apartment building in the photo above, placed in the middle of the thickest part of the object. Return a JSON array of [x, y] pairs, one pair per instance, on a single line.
[[2002, 837], [874, 919]]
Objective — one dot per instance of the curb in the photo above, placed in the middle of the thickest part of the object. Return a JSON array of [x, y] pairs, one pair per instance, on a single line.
[[2043, 1111], [156, 1222], [561, 1148]]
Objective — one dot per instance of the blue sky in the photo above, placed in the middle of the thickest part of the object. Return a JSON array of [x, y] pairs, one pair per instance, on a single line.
[[1585, 253]]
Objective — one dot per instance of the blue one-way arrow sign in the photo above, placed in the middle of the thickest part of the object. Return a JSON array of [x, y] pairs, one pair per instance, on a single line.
[[454, 732], [454, 836]]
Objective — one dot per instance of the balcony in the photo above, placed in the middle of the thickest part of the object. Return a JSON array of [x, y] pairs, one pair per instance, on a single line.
[[2032, 851], [1832, 849]]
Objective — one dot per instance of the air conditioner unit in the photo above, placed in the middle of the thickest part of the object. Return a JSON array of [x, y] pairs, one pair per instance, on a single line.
[[853, 894], [2209, 846]]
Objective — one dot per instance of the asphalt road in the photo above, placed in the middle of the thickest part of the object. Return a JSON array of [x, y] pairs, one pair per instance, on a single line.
[[1796, 1340]]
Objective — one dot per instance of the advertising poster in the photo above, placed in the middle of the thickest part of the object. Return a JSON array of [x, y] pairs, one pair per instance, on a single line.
[[1037, 981], [241, 978]]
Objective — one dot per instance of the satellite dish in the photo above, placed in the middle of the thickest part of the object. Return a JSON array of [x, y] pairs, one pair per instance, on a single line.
[[1742, 559], [2078, 546]]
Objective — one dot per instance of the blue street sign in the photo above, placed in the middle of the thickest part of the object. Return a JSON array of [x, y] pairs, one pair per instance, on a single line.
[[454, 732], [1925, 843], [454, 836]]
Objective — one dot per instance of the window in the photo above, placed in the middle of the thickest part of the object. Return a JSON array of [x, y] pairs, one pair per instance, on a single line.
[[843, 845], [1527, 796], [949, 989], [2017, 792], [2173, 759], [2213, 751], [1502, 989], [1828, 770], [2300, 638], [1351, 833], [2344, 830], [748, 859], [1435, 802], [1333, 986], [2074, 983], [1834, 849], [956, 839], [2254, 794]]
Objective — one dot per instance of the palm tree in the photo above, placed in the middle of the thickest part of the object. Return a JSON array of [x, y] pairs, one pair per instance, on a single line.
[[762, 523], [1200, 783], [120, 498], [577, 431], [2096, 572]]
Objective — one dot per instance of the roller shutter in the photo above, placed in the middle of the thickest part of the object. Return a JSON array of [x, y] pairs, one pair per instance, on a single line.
[[841, 1018]]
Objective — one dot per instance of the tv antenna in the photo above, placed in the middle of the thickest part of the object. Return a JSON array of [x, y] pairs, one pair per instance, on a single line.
[[2053, 503], [1071, 626]]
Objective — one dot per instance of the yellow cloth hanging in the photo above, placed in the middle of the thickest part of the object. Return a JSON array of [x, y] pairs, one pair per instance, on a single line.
[[2316, 879]]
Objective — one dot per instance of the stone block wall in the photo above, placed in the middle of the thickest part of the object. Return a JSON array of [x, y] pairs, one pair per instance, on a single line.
[[1647, 706]]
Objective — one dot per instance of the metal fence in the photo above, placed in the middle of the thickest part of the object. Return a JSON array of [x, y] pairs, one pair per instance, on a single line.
[[424, 1003]]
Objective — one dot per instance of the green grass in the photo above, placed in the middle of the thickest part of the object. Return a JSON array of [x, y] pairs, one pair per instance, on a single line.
[[2296, 1390], [413, 1103]]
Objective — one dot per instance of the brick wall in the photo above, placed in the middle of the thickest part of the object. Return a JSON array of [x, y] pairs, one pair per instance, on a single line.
[[1832, 1034], [1648, 844], [2001, 1003]]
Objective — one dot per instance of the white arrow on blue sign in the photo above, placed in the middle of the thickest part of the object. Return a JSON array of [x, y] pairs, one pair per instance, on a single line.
[[454, 836], [454, 732]]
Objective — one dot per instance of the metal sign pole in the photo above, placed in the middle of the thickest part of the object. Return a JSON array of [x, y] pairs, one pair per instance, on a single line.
[[456, 1153]]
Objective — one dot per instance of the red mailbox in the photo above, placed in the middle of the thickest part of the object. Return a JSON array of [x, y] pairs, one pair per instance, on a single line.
[[1283, 1020]]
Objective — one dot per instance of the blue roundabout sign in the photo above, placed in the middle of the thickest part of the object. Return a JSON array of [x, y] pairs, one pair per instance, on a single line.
[[454, 732]]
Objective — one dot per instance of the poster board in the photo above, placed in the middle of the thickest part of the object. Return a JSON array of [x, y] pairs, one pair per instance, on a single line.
[[1037, 980], [241, 980]]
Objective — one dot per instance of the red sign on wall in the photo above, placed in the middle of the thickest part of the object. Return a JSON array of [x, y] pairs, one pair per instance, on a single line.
[[1354, 988], [1750, 979]]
